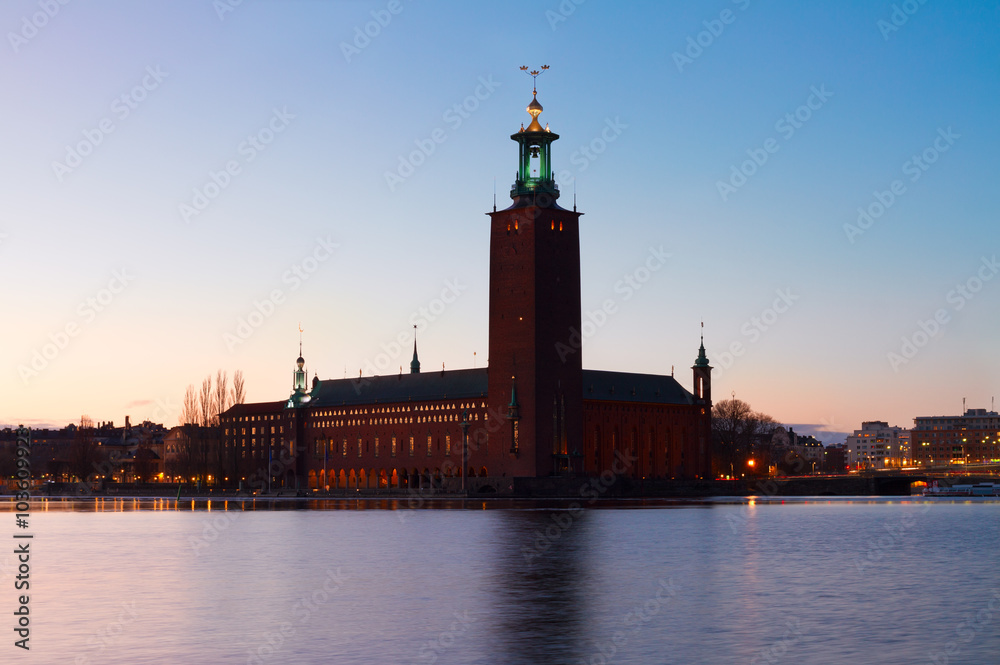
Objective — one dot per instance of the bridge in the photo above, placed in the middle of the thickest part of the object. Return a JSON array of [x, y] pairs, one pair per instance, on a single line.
[[881, 483]]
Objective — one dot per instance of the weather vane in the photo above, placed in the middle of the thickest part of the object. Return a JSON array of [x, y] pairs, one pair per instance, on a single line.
[[534, 74]]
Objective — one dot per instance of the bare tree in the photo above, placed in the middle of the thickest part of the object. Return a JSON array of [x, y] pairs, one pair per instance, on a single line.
[[239, 389], [182, 462], [739, 435], [205, 402], [189, 411], [220, 400]]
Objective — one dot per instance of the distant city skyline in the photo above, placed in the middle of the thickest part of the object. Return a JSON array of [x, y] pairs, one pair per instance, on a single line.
[[186, 183]]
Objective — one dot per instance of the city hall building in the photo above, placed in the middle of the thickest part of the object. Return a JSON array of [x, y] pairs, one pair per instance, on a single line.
[[534, 412]]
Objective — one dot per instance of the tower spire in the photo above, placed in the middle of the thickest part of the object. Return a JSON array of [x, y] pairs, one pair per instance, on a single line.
[[702, 360], [534, 173], [299, 376], [415, 363]]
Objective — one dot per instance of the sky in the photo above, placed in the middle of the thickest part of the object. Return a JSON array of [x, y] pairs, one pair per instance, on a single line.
[[185, 183]]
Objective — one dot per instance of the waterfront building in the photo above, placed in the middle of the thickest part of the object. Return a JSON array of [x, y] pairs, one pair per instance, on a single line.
[[878, 446], [972, 438], [534, 412]]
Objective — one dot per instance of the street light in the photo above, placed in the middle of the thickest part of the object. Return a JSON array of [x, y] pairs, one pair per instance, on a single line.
[[465, 445]]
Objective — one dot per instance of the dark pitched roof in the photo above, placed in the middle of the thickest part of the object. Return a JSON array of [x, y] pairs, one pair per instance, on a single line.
[[628, 387], [471, 384], [454, 384], [254, 409]]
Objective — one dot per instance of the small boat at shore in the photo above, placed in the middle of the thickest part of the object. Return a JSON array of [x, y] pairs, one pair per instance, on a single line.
[[979, 489]]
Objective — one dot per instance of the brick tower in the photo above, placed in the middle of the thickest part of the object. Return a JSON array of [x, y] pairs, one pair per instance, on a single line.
[[535, 369]]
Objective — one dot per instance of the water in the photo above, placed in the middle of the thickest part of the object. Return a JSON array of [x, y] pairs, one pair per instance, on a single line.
[[805, 582]]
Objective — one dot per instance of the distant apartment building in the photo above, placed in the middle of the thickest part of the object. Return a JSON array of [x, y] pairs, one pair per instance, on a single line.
[[808, 447], [878, 446], [972, 438]]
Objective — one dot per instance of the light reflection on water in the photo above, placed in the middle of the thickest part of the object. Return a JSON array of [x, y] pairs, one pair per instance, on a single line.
[[154, 581]]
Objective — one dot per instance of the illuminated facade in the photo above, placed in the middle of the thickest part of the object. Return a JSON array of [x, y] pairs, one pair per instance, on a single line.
[[535, 412], [878, 446], [972, 438]]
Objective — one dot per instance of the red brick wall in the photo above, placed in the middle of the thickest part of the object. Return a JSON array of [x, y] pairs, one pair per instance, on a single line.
[[656, 440], [534, 305]]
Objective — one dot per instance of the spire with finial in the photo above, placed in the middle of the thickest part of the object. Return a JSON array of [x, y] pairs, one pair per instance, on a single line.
[[415, 363], [534, 108], [512, 408], [300, 361], [300, 376], [535, 159], [702, 360]]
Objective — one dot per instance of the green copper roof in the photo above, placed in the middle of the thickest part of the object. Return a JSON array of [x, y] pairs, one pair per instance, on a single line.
[[702, 359]]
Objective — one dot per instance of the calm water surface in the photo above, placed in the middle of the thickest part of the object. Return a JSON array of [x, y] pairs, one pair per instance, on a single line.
[[804, 582]]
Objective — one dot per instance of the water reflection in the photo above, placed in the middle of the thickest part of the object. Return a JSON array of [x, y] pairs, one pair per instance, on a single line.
[[539, 587], [478, 582]]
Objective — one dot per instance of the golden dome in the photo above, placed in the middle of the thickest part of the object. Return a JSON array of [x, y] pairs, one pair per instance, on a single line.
[[534, 108]]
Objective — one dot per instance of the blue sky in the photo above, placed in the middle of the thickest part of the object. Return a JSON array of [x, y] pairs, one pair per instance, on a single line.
[[656, 105]]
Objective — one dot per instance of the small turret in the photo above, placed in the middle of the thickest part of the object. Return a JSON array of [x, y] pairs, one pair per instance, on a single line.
[[702, 373]]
